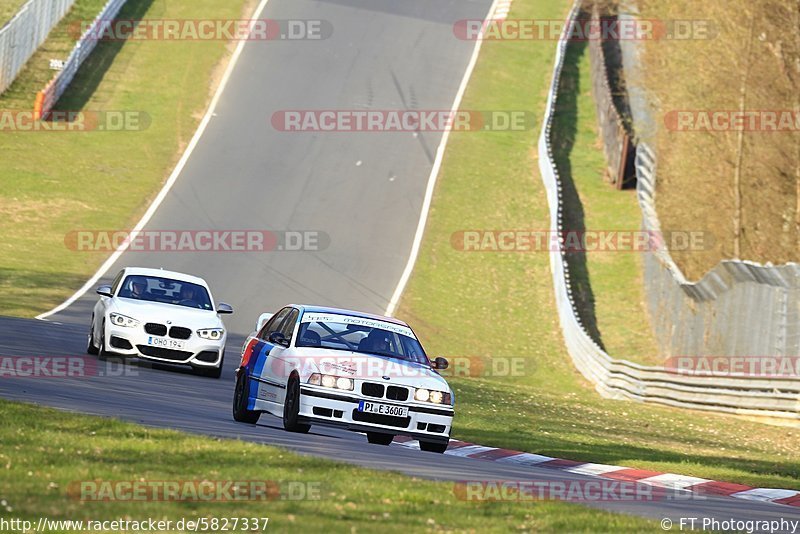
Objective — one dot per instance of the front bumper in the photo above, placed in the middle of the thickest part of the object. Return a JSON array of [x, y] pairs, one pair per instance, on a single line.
[[134, 342], [427, 422]]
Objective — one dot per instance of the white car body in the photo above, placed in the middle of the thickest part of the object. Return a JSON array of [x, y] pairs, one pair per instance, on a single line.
[[163, 332], [268, 367]]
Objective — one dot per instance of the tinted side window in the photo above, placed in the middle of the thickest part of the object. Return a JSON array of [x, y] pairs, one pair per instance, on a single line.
[[273, 324], [287, 328]]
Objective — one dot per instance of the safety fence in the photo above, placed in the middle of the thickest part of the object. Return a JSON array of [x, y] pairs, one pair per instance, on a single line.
[[47, 97], [617, 145], [777, 397], [25, 32]]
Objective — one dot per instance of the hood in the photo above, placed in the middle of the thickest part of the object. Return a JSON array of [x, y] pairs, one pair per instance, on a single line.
[[156, 312]]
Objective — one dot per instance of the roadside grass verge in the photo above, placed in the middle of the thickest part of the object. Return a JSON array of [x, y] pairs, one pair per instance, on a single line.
[[52, 183], [46, 452], [501, 305], [749, 60], [9, 8]]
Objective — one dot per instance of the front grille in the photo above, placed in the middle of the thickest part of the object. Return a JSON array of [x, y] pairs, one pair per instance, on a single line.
[[436, 428], [156, 329], [372, 390], [179, 332], [166, 354], [396, 393], [377, 419]]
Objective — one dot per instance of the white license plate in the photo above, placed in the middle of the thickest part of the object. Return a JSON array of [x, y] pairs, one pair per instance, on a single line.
[[165, 343], [383, 409]]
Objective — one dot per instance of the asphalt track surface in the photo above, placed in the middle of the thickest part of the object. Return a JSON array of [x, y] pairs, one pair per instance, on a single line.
[[244, 174]]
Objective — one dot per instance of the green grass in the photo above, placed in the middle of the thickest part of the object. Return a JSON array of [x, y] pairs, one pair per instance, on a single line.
[[501, 305], [46, 452], [9, 8], [54, 183]]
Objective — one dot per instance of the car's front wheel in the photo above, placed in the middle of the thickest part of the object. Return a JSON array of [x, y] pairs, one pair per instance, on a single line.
[[432, 446], [211, 372], [240, 394], [101, 351], [291, 408], [379, 439], [90, 348]]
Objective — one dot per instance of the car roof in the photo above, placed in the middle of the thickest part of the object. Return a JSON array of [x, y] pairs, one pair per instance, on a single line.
[[174, 275], [342, 311]]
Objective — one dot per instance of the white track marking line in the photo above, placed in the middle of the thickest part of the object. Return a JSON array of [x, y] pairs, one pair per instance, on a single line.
[[170, 181], [437, 163]]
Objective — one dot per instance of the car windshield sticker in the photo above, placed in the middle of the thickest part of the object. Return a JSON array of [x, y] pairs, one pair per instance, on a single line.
[[359, 321]]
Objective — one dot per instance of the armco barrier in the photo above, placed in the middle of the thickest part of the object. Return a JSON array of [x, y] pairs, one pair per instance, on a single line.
[[769, 397], [25, 32], [47, 97]]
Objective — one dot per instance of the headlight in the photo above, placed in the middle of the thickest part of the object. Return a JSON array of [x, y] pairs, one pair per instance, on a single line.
[[436, 397], [123, 320], [213, 334], [330, 381]]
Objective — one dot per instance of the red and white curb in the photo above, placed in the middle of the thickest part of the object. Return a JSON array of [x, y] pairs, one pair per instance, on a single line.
[[700, 486]]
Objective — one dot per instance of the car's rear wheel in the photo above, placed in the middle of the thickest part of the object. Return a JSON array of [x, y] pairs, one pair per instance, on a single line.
[[379, 439], [240, 394], [90, 348], [432, 446], [291, 408]]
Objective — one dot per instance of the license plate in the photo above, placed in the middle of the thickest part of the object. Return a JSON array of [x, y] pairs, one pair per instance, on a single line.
[[383, 409], [165, 343]]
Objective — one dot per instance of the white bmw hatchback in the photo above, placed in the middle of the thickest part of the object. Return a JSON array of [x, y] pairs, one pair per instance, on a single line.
[[162, 316]]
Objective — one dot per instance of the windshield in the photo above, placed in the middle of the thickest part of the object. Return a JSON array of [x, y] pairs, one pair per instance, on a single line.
[[165, 291], [359, 334]]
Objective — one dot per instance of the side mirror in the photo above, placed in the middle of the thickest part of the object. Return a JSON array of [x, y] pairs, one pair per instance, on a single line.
[[105, 291], [440, 363], [276, 338], [224, 308]]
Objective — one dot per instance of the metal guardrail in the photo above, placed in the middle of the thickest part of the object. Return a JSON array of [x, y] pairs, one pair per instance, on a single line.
[[769, 397], [47, 97], [25, 32]]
